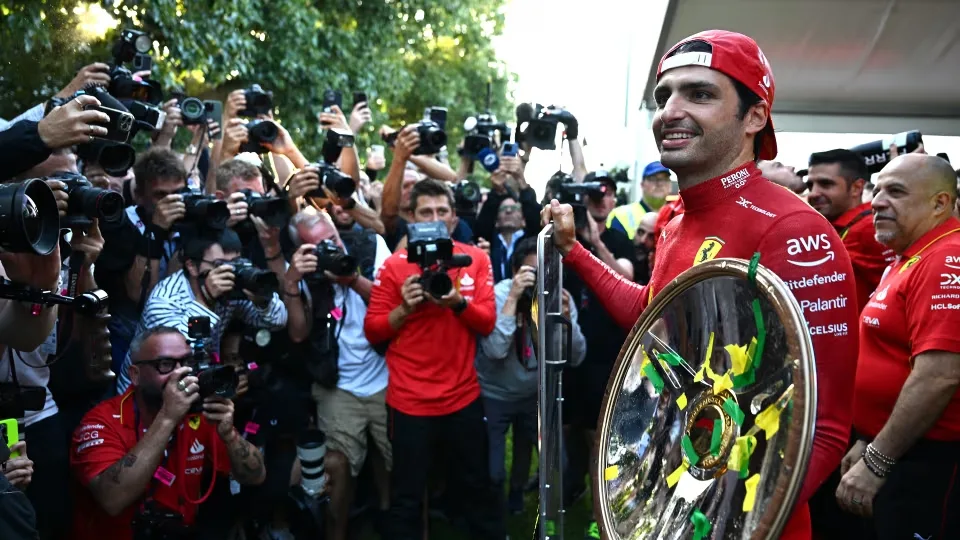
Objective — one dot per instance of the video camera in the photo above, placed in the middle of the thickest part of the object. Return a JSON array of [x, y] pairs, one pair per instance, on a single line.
[[248, 277], [430, 247], [481, 135], [466, 198], [213, 379], [204, 211], [338, 182], [258, 102], [87, 202], [575, 194], [876, 154], [537, 125]]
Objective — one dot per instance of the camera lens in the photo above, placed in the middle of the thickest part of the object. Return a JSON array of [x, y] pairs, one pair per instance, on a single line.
[[262, 131], [192, 109], [437, 284], [311, 449], [116, 159], [95, 202], [90, 303], [29, 219], [142, 43]]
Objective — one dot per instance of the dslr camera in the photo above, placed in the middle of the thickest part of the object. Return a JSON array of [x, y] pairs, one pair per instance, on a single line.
[[332, 258], [204, 211], [258, 133], [274, 211], [537, 125], [575, 194], [213, 379], [196, 112], [432, 138], [429, 246], [248, 277], [466, 198], [258, 102], [876, 154], [141, 98], [331, 177], [87, 202]]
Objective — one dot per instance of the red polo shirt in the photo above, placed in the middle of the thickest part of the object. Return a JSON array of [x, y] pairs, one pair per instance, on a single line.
[[869, 257], [431, 357], [106, 434], [916, 309], [735, 215]]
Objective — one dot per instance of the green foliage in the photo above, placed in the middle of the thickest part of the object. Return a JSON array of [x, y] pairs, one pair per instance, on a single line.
[[405, 54]]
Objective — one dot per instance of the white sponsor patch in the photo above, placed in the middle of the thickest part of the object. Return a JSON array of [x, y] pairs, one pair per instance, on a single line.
[[950, 281], [952, 261], [871, 321], [816, 280], [814, 306], [838, 329], [735, 179], [818, 244], [939, 307], [89, 444]]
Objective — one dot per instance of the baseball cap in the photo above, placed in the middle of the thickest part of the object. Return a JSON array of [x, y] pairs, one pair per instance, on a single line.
[[654, 168], [601, 175], [738, 57]]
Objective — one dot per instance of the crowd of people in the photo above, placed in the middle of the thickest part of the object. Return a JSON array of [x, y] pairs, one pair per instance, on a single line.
[[254, 295]]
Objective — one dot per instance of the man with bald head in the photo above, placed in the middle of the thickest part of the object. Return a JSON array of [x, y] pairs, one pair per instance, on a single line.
[[903, 469]]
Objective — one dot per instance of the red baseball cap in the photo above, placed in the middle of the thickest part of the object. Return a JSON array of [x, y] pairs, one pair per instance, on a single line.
[[738, 57]]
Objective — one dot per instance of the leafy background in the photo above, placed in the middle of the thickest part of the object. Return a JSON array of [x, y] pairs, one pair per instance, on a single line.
[[406, 55]]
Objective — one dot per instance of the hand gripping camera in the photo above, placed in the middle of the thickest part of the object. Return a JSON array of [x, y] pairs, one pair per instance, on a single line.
[[537, 125], [575, 194], [338, 182], [213, 379], [204, 211], [332, 258], [88, 202], [429, 246], [256, 280]]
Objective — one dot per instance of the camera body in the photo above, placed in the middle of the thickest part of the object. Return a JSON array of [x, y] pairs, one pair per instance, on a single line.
[[432, 138], [256, 280], [156, 523], [87, 202], [258, 102], [196, 112], [481, 134], [213, 379], [429, 246], [876, 154], [204, 211], [332, 258], [575, 194], [258, 133], [274, 211], [537, 125], [466, 197]]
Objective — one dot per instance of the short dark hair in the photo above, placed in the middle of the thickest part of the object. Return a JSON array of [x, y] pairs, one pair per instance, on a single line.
[[852, 166], [137, 343], [747, 97], [429, 188], [158, 163], [524, 248], [236, 168], [195, 244]]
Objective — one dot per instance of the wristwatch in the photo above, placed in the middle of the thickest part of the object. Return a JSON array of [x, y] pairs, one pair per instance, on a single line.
[[459, 308]]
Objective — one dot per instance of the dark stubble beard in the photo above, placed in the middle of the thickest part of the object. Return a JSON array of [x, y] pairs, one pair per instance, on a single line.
[[152, 396]]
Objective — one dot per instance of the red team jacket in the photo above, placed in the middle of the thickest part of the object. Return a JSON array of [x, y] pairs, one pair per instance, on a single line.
[[106, 434], [431, 358], [735, 215]]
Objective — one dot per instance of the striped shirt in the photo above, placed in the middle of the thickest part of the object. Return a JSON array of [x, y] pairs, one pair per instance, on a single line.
[[172, 303]]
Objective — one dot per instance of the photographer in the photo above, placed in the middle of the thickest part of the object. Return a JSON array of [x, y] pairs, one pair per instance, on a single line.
[[433, 393], [354, 407], [140, 464], [139, 250], [507, 216], [507, 369], [396, 215], [205, 288]]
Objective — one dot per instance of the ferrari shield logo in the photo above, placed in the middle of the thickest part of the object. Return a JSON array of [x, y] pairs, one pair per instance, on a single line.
[[709, 249], [910, 262]]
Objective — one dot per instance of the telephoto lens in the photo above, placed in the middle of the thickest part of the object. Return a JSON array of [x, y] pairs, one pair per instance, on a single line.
[[29, 219], [311, 449]]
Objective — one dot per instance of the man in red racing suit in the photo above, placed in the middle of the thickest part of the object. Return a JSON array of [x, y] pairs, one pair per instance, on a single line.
[[732, 211]]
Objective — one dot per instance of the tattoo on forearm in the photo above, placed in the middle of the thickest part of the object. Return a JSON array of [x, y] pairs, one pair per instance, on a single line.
[[115, 470], [246, 464]]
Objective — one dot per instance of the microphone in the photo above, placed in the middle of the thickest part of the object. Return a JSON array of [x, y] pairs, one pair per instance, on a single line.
[[460, 261]]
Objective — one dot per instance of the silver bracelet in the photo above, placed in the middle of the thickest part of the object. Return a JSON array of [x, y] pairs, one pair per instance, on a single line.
[[880, 456]]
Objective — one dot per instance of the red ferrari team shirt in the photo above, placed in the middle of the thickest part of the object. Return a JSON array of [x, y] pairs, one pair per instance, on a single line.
[[735, 215], [431, 357], [916, 309], [106, 434], [869, 257]]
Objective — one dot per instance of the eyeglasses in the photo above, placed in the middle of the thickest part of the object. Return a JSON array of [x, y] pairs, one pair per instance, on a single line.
[[507, 208], [165, 364]]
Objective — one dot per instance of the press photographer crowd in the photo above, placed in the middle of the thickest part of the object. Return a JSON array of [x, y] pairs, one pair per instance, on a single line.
[[235, 340]]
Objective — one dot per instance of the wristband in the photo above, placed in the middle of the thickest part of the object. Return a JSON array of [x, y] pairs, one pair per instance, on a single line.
[[461, 307]]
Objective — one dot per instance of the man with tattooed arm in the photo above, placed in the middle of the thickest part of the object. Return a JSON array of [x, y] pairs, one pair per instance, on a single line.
[[140, 457]]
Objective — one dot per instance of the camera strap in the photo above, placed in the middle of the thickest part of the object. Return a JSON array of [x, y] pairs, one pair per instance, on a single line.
[[843, 232]]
